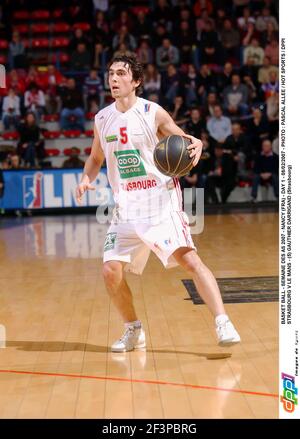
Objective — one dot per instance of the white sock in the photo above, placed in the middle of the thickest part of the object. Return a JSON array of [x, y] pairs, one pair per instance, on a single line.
[[221, 318], [136, 324]]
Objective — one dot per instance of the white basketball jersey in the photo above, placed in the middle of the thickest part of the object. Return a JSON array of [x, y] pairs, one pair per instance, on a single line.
[[128, 140]]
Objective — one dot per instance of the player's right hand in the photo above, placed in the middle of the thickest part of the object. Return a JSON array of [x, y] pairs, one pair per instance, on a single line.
[[81, 189]]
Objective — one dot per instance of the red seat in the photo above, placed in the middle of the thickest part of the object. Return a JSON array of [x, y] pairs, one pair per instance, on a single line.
[[136, 9], [61, 57], [21, 15], [57, 13], [41, 14], [88, 150], [83, 26], [51, 117], [40, 28], [21, 28], [3, 59], [26, 43], [3, 44], [61, 27], [12, 135], [90, 116], [68, 151], [40, 43], [52, 152], [60, 42], [71, 133], [51, 134], [89, 133]]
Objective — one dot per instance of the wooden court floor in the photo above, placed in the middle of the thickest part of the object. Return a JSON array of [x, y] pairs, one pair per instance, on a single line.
[[59, 324]]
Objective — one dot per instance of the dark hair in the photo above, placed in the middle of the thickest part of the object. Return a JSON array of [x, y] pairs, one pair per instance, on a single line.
[[135, 66]]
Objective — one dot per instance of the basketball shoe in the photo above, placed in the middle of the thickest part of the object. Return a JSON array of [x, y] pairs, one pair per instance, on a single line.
[[133, 338], [226, 332]]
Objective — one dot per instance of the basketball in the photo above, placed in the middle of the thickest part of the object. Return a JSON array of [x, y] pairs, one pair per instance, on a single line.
[[171, 156]]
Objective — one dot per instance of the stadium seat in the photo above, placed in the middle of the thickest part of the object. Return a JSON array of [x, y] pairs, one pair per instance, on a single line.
[[11, 135], [41, 14], [71, 133], [51, 134], [60, 57], [89, 133], [90, 116], [21, 15], [88, 150], [21, 28], [57, 13], [52, 152], [3, 45], [61, 27], [58, 42], [83, 26], [40, 43], [3, 59], [51, 117], [40, 28], [67, 151], [136, 9]]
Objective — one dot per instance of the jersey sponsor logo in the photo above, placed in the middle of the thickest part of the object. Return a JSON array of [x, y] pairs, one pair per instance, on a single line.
[[147, 108], [110, 241], [130, 163], [112, 138], [137, 185]]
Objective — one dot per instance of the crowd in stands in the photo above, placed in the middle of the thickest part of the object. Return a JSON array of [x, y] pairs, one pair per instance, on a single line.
[[212, 64]]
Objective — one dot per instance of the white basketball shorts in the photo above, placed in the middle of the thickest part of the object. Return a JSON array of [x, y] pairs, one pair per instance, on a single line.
[[132, 242]]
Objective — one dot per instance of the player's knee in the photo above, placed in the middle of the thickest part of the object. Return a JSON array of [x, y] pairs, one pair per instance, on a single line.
[[112, 273], [193, 264]]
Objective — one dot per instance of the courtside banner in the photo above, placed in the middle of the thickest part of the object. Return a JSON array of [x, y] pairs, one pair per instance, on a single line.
[[289, 235], [53, 188]]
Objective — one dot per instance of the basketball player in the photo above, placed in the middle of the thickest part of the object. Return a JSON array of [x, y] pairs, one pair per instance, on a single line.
[[148, 211]]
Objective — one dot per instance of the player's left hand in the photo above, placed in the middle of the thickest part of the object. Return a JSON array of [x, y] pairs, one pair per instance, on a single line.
[[196, 147]]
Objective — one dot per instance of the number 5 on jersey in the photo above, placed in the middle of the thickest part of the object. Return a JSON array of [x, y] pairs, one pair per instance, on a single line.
[[123, 135]]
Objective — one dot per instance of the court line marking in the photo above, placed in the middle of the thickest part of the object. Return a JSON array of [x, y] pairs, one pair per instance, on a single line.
[[129, 380]]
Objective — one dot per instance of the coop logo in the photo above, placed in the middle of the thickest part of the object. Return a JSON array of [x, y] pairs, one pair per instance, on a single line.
[[33, 191], [130, 163], [2, 76], [288, 399]]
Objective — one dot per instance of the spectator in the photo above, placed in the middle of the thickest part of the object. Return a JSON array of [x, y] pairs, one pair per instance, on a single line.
[[124, 20], [93, 93], [73, 161], [100, 29], [187, 39], [224, 78], [72, 114], [152, 80], [230, 39], [15, 162], [246, 18], [78, 38], [254, 51], [144, 52], [80, 58], [222, 174], [265, 169], [209, 107], [11, 110], [239, 5], [142, 27], [160, 32], [272, 51], [34, 100], [123, 36], [15, 81], [166, 54], [275, 145], [100, 57], [162, 13], [269, 34], [54, 80], [34, 76], [205, 83], [265, 18], [219, 126], [191, 84], [171, 84], [264, 71], [258, 129], [236, 97], [179, 111], [16, 53], [238, 147], [30, 147], [248, 35], [210, 52], [195, 125]]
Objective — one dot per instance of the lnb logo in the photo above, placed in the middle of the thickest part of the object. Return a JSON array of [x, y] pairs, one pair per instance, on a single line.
[[2, 76], [290, 391]]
